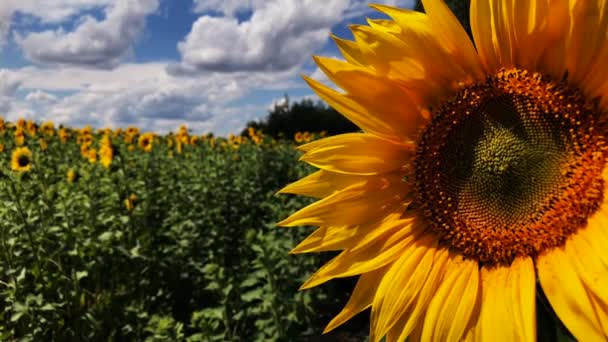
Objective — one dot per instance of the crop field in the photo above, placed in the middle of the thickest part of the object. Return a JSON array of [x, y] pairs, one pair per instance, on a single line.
[[127, 235]]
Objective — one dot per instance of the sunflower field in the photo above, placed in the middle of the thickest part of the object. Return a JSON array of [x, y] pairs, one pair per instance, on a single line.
[[126, 235]]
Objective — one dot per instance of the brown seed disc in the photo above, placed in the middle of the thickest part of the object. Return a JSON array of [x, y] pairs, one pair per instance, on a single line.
[[511, 166]]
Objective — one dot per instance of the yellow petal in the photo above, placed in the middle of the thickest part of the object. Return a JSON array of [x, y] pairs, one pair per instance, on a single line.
[[508, 296], [358, 203], [347, 237], [360, 299], [400, 287], [321, 184], [383, 251], [453, 36], [449, 312], [384, 97], [566, 294], [528, 24], [483, 34], [587, 37], [350, 50], [353, 111], [558, 26], [360, 154], [413, 317]]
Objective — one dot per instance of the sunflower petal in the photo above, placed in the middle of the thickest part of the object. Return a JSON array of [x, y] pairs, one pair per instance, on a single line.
[[401, 285], [454, 37], [389, 102], [483, 34], [360, 299], [353, 205], [346, 237], [321, 184], [360, 154], [508, 294], [411, 318], [449, 312], [380, 253], [350, 50], [353, 111], [566, 294]]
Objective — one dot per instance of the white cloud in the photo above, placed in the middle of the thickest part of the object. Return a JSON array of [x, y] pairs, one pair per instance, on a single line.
[[40, 96], [144, 95], [54, 11], [93, 43], [279, 35], [227, 7]]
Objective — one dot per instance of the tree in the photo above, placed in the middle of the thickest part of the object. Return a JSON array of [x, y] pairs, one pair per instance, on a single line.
[[304, 116]]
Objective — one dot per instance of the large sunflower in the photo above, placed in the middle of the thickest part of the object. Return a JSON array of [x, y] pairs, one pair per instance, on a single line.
[[480, 170]]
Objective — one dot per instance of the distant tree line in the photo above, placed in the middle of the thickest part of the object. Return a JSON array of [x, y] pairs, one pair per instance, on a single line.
[[287, 118]]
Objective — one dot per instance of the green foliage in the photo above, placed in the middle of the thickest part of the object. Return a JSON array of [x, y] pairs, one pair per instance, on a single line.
[[197, 259]]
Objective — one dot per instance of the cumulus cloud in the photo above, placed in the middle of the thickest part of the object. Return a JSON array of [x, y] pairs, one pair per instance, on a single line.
[[93, 43], [46, 12], [138, 94], [40, 96], [226, 7], [279, 35]]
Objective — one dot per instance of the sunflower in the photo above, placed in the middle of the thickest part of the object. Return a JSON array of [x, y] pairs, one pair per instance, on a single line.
[[479, 171], [106, 151], [19, 137], [298, 137], [21, 159], [48, 128], [72, 176], [43, 144], [130, 202], [146, 141]]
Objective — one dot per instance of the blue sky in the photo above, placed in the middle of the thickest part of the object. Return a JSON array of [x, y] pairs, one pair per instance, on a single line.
[[210, 64]]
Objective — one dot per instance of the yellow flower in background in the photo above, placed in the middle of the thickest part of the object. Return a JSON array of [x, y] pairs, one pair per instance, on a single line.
[[298, 137], [43, 144], [132, 130], [306, 137], [106, 151], [63, 135], [92, 155], [21, 123], [21, 159], [130, 202], [131, 148], [71, 176], [48, 128], [480, 171], [87, 130], [1, 148], [19, 137], [84, 151], [31, 128], [146, 141]]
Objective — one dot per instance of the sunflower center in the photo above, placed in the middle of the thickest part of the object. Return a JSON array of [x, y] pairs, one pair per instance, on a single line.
[[23, 160], [510, 167]]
